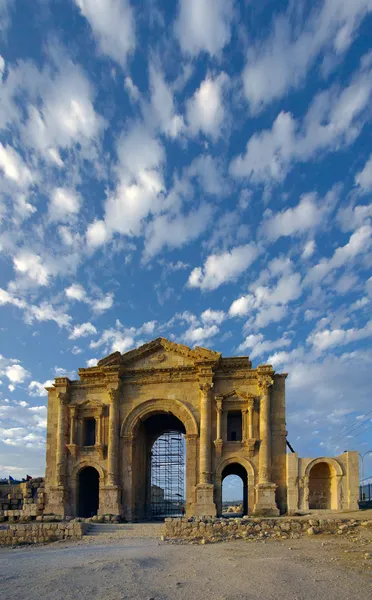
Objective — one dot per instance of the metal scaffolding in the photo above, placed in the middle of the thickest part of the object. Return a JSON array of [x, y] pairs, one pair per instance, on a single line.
[[168, 475]]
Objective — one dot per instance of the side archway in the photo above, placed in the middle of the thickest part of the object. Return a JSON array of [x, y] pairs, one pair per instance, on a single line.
[[88, 492], [226, 465], [75, 482], [323, 477]]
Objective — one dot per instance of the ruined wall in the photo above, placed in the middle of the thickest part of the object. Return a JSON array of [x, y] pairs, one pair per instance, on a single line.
[[36, 533], [22, 501]]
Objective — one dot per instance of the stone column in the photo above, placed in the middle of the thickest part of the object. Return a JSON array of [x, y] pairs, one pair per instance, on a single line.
[[110, 503], [61, 430], [264, 469], [218, 443], [205, 433], [245, 434], [204, 505], [113, 437], [250, 418], [72, 425], [265, 489]]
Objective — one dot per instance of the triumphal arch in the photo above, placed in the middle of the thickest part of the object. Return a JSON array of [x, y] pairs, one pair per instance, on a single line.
[[102, 429]]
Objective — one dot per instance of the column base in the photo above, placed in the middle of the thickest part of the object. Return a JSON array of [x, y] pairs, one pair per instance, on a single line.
[[109, 500], [265, 500], [204, 505]]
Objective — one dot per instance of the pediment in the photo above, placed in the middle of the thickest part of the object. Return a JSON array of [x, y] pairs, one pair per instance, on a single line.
[[162, 353], [235, 394]]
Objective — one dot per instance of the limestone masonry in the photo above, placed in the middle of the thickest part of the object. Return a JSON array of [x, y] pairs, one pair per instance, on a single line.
[[101, 429]]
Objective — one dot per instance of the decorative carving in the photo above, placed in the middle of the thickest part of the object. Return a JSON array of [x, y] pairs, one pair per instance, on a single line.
[[205, 387], [218, 400], [250, 444], [73, 450], [264, 382], [63, 398]]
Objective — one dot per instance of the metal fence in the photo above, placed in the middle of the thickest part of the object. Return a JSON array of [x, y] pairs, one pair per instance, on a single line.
[[365, 495]]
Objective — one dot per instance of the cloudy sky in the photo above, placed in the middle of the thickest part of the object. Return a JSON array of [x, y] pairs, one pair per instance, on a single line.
[[199, 170]]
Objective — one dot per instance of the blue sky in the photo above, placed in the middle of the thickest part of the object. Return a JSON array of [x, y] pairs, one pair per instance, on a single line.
[[198, 170]]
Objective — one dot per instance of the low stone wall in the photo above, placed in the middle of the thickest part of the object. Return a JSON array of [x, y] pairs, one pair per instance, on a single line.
[[12, 535], [213, 529]]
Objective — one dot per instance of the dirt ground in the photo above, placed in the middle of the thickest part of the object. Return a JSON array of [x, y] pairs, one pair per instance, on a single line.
[[135, 564]]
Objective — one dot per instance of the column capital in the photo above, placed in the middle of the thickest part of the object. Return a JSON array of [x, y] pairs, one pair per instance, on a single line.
[[250, 403], [205, 387], [190, 438], [264, 382], [218, 400], [63, 398], [112, 394]]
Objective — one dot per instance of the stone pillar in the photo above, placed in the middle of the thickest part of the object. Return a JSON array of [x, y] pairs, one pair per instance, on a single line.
[[72, 425], [191, 472], [218, 443], [204, 505], [265, 489], [111, 498], [113, 437], [250, 418], [205, 433], [61, 431], [245, 433]]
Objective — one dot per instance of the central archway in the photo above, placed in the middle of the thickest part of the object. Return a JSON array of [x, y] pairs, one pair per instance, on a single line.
[[146, 424], [239, 471]]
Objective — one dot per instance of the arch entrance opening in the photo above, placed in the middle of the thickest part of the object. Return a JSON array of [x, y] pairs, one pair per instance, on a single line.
[[88, 492], [321, 486], [160, 458], [234, 506]]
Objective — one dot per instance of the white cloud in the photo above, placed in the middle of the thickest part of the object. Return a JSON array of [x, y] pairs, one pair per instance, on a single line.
[[222, 268], [11, 387], [101, 304], [82, 330], [97, 234], [175, 231], [309, 249], [36, 388], [359, 242], [268, 303], [16, 373], [307, 215], [64, 203], [281, 62], [98, 305], [76, 292], [162, 104], [132, 89], [92, 362], [322, 340], [364, 178], [47, 312], [260, 346], [14, 168], [66, 115], [112, 22], [210, 316], [205, 110], [334, 119], [198, 335], [204, 25], [31, 265]]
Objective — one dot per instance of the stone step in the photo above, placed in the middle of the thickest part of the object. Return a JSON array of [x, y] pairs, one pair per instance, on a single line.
[[129, 530]]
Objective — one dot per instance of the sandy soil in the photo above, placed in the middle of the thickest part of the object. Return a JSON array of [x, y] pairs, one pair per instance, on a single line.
[[134, 564]]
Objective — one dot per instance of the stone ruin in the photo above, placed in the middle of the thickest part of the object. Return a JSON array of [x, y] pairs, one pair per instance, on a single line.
[[22, 501]]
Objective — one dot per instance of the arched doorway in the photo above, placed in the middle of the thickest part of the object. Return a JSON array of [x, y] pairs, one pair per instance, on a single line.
[[232, 505], [159, 477], [88, 492], [321, 486], [140, 430]]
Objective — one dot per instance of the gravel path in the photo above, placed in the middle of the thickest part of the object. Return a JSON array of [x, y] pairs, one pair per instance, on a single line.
[[144, 568]]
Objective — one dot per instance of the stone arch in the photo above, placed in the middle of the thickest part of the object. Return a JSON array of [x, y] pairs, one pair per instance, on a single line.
[[323, 459], [158, 405], [249, 468], [135, 454], [323, 477], [89, 463]]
